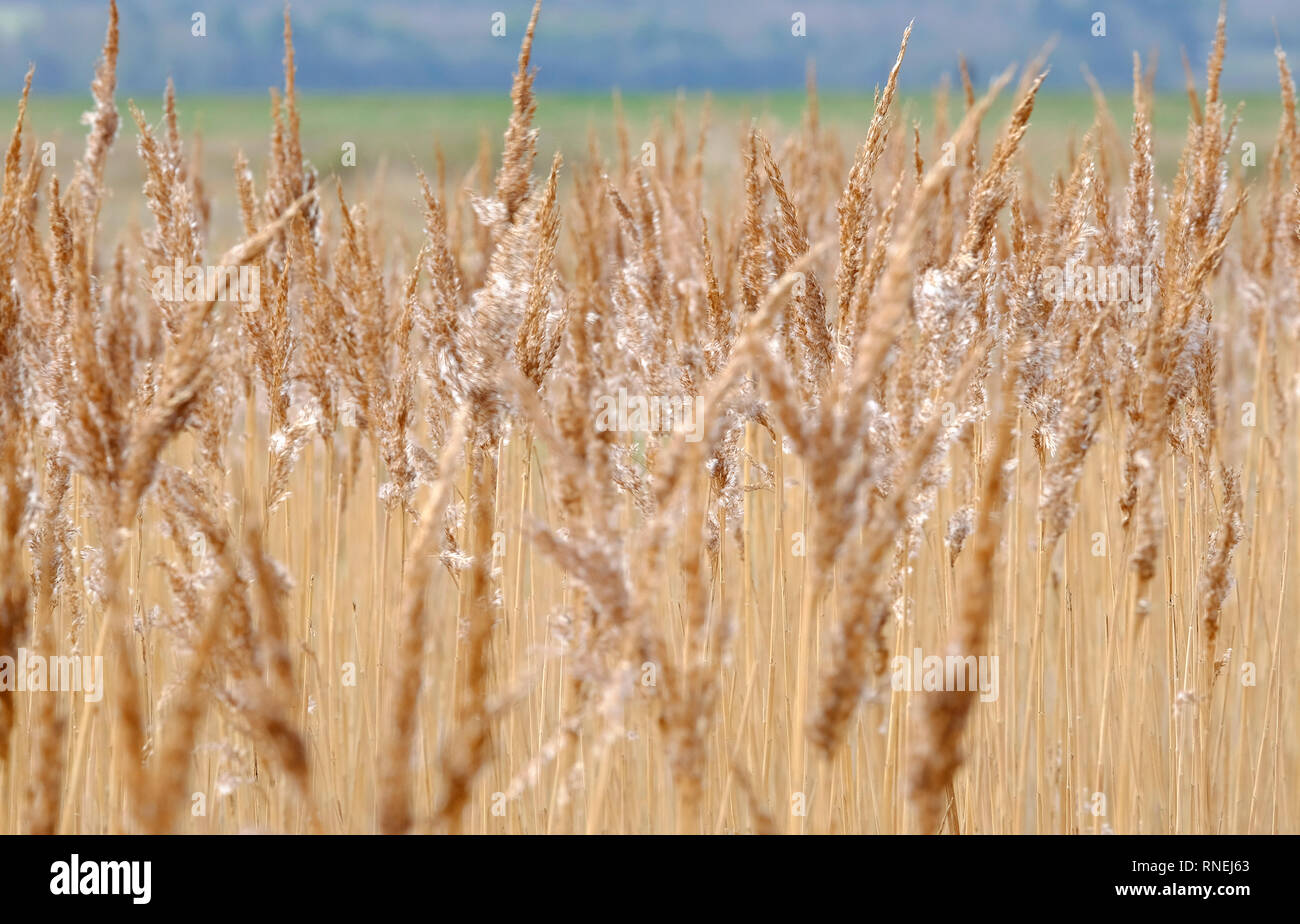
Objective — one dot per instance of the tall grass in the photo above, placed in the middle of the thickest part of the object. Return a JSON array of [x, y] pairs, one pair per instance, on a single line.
[[361, 559]]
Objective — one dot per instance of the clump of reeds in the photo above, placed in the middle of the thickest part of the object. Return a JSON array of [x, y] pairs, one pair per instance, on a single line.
[[361, 559]]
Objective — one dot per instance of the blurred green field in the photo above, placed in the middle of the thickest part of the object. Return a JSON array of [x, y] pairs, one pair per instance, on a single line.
[[396, 133]]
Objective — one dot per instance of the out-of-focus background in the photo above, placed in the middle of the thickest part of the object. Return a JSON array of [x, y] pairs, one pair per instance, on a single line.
[[402, 78], [423, 46]]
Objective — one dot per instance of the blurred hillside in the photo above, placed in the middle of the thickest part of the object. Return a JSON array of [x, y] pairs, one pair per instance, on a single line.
[[592, 45]]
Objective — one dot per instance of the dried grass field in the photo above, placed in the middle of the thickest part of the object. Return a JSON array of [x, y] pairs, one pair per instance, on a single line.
[[879, 475]]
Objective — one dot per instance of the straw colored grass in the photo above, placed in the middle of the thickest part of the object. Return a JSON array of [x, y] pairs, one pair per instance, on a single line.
[[360, 559]]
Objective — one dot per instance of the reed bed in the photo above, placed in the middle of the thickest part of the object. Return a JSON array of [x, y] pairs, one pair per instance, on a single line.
[[361, 556]]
